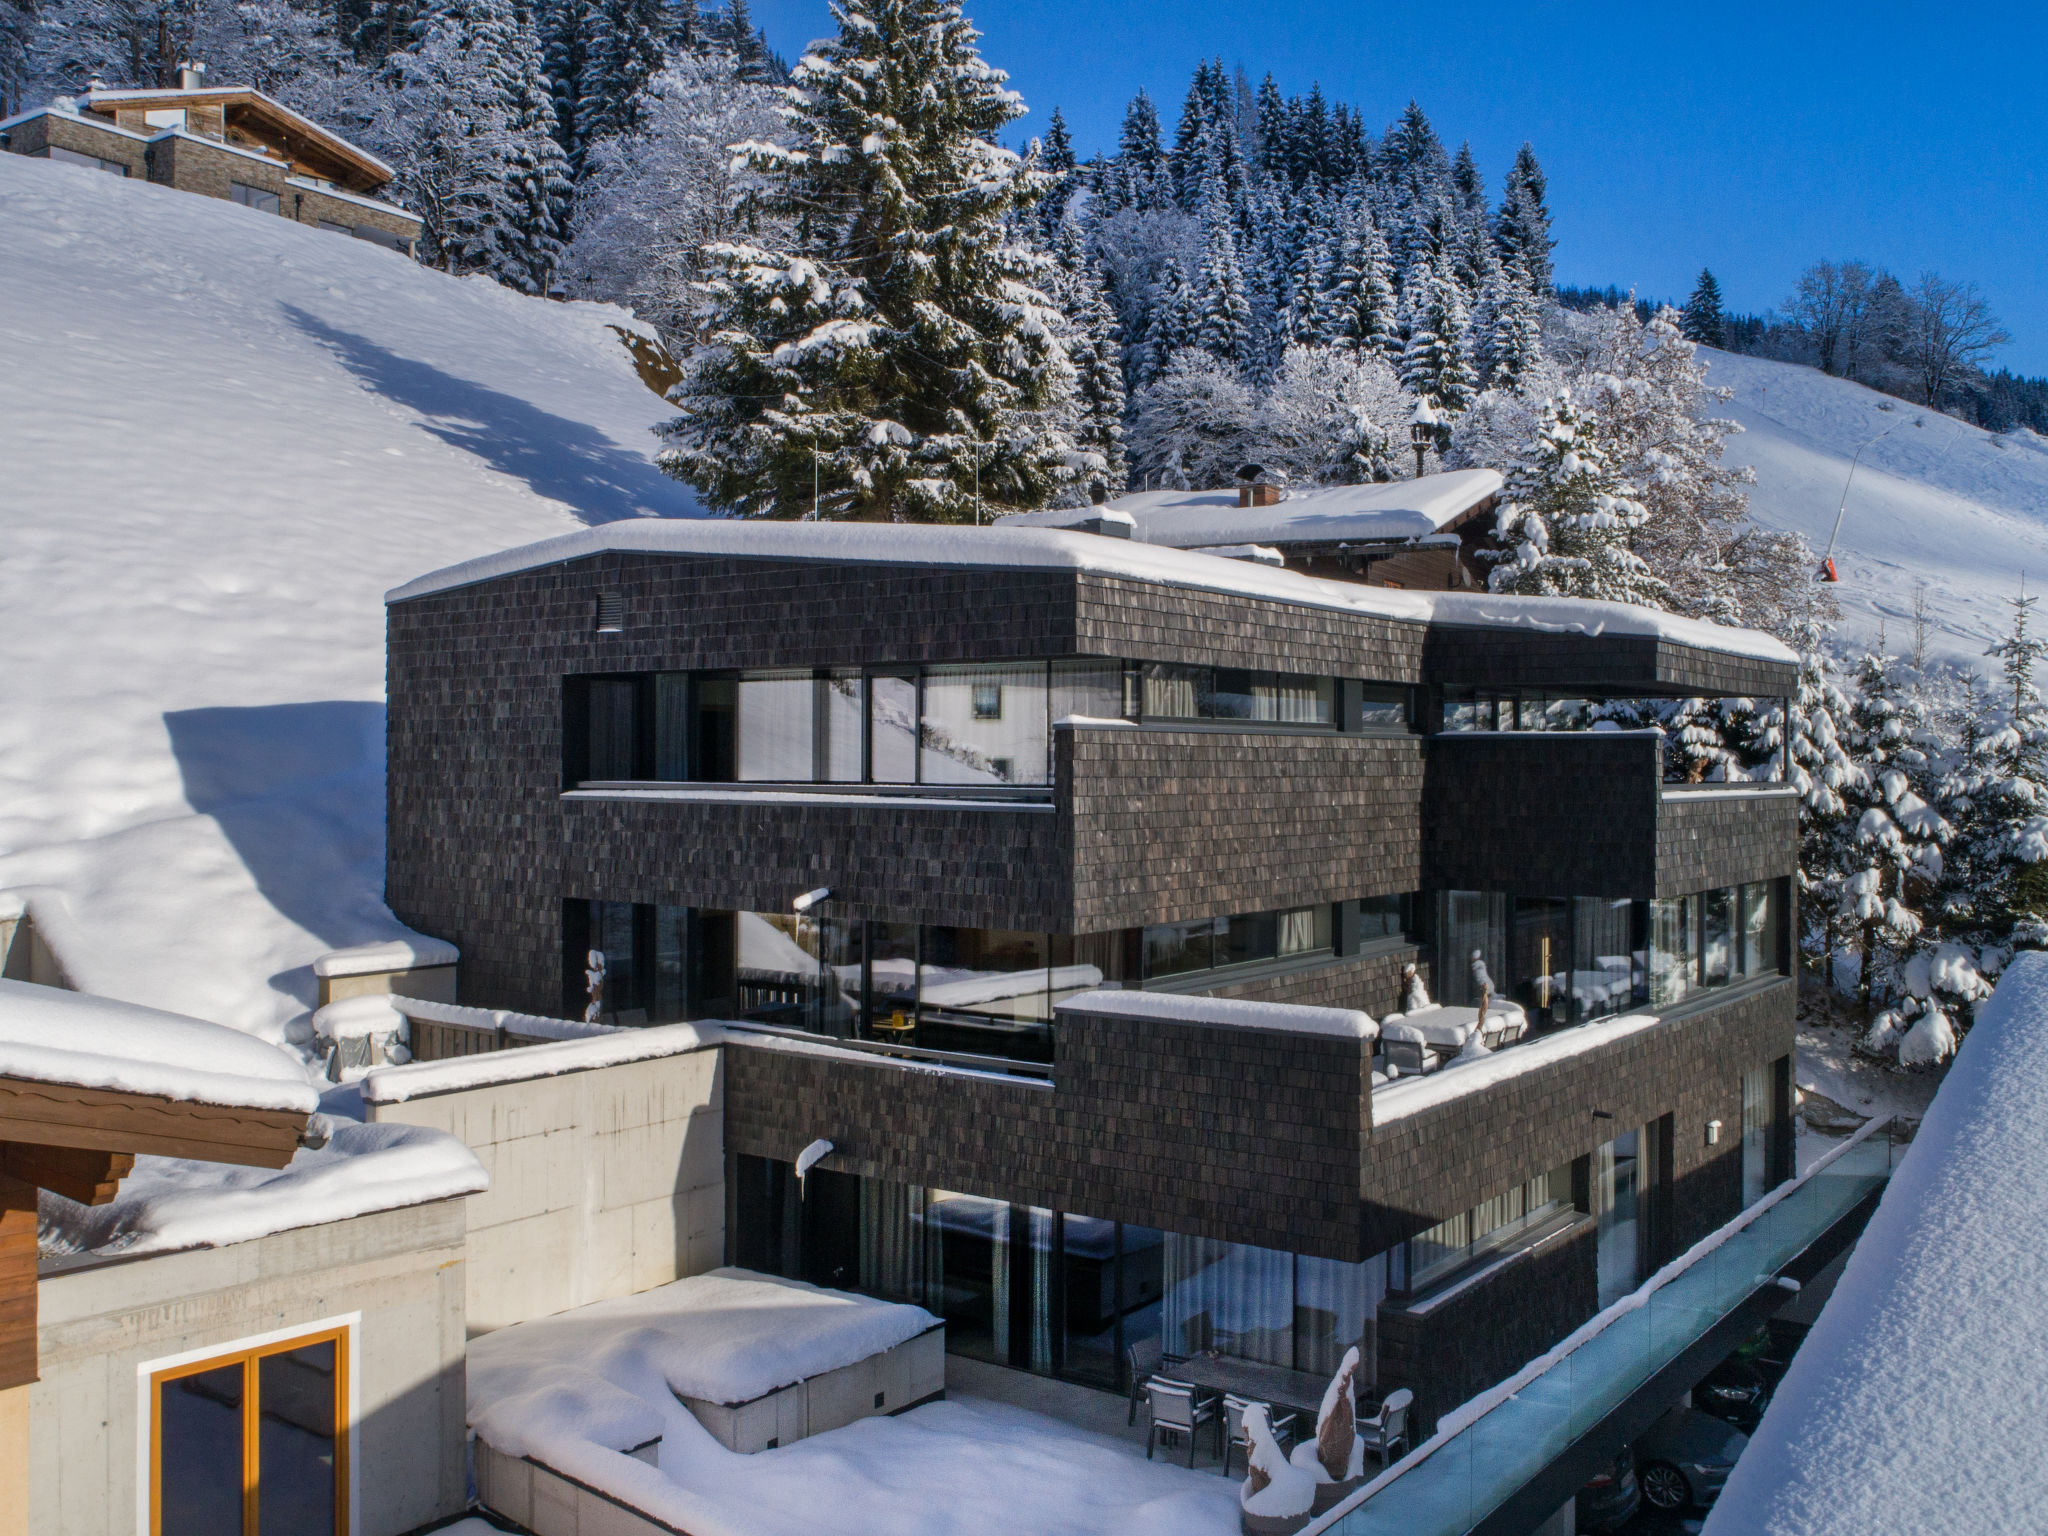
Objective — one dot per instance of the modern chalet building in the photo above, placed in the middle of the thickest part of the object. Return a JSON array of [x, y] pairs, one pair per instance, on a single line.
[[1062, 809], [230, 142]]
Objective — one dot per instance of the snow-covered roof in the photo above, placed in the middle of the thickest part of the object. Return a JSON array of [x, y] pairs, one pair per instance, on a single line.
[[53, 1036], [171, 1203], [388, 955], [1052, 549], [1328, 514], [1230, 1012], [1917, 1401], [239, 95]]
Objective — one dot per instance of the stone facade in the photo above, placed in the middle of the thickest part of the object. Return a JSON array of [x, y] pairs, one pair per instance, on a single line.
[[1196, 1128]]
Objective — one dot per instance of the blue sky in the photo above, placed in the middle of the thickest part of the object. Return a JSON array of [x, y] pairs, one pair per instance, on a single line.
[[1752, 139]]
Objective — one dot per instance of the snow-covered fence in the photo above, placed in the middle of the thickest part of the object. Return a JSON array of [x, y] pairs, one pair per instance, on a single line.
[[444, 1031]]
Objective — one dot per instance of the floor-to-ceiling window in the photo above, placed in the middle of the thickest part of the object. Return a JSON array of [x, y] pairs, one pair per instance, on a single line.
[[1626, 1179], [1055, 1292]]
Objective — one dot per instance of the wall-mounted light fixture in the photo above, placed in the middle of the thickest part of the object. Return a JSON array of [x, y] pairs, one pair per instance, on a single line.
[[1713, 1133]]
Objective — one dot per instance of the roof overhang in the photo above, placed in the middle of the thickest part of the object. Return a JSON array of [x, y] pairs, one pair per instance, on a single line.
[[247, 102]]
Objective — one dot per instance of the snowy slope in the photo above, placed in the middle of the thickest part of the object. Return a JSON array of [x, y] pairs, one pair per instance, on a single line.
[[222, 437], [1964, 509]]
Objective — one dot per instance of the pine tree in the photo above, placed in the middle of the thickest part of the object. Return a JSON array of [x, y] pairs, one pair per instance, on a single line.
[[2008, 835], [1140, 155], [1522, 225], [1514, 345], [1057, 153], [564, 29], [1096, 358], [1892, 861], [1564, 525], [1701, 318], [1169, 327], [1223, 325], [1434, 361], [1359, 311], [622, 51], [474, 122], [899, 348]]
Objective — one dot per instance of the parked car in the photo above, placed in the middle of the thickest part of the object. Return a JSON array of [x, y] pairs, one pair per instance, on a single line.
[[1736, 1391], [1685, 1458], [1609, 1501]]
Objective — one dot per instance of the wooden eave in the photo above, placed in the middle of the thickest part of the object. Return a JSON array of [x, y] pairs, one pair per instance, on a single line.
[[301, 141], [58, 1115]]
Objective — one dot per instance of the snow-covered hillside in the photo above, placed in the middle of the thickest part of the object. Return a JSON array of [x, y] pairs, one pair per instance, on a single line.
[[222, 437], [1963, 509]]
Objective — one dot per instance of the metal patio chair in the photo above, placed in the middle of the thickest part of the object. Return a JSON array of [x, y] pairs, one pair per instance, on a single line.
[[1176, 1409]]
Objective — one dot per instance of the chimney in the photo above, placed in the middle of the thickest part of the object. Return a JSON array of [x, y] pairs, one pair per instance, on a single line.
[[1255, 488], [191, 76]]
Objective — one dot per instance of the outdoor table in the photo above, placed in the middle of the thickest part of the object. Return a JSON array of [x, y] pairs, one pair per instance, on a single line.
[[1283, 1390]]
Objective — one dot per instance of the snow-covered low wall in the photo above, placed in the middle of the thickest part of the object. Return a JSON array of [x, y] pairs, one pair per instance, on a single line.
[[606, 1158]]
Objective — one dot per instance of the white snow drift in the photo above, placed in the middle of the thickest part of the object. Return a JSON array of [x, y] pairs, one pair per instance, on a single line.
[[222, 436], [1916, 1403]]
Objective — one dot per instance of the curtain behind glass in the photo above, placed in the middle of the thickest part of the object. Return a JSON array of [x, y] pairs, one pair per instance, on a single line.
[[1617, 1204], [842, 707], [1092, 690], [897, 1259], [1674, 949], [1473, 920], [1760, 928], [1717, 943], [1037, 1234], [776, 720], [1229, 1297], [1606, 966], [1335, 1305]]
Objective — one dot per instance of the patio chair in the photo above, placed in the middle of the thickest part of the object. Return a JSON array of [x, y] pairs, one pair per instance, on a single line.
[[1175, 1410], [1235, 1439], [1141, 1363], [1389, 1427]]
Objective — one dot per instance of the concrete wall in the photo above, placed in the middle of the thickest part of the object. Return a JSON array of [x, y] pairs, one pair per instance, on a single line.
[[604, 1182], [14, 1460], [402, 1271]]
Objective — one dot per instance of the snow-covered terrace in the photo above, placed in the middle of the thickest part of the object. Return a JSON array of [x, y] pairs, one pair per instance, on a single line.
[[1048, 549], [580, 1393]]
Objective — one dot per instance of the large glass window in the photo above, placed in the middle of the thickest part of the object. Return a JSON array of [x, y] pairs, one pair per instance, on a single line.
[[1607, 956], [1717, 937], [1470, 1236], [1473, 934], [892, 729], [1253, 938], [1542, 941], [255, 1441], [1674, 949], [1759, 1113], [1386, 917], [1173, 692], [613, 718], [776, 727], [1088, 690], [1384, 707], [1618, 1203], [984, 725], [1760, 952]]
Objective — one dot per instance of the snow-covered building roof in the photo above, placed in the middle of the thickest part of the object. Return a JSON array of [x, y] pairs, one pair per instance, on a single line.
[[172, 1203], [1051, 549], [1332, 514], [268, 121], [52, 1036], [1917, 1401]]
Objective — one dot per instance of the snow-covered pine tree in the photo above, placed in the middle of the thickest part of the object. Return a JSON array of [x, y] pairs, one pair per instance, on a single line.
[[1514, 344], [1892, 862], [470, 122], [1434, 361], [1819, 769], [2007, 836], [1097, 360], [1169, 327], [1141, 158], [563, 27], [1359, 311], [1223, 316], [1565, 524], [1702, 317], [899, 349], [623, 48], [1521, 227]]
